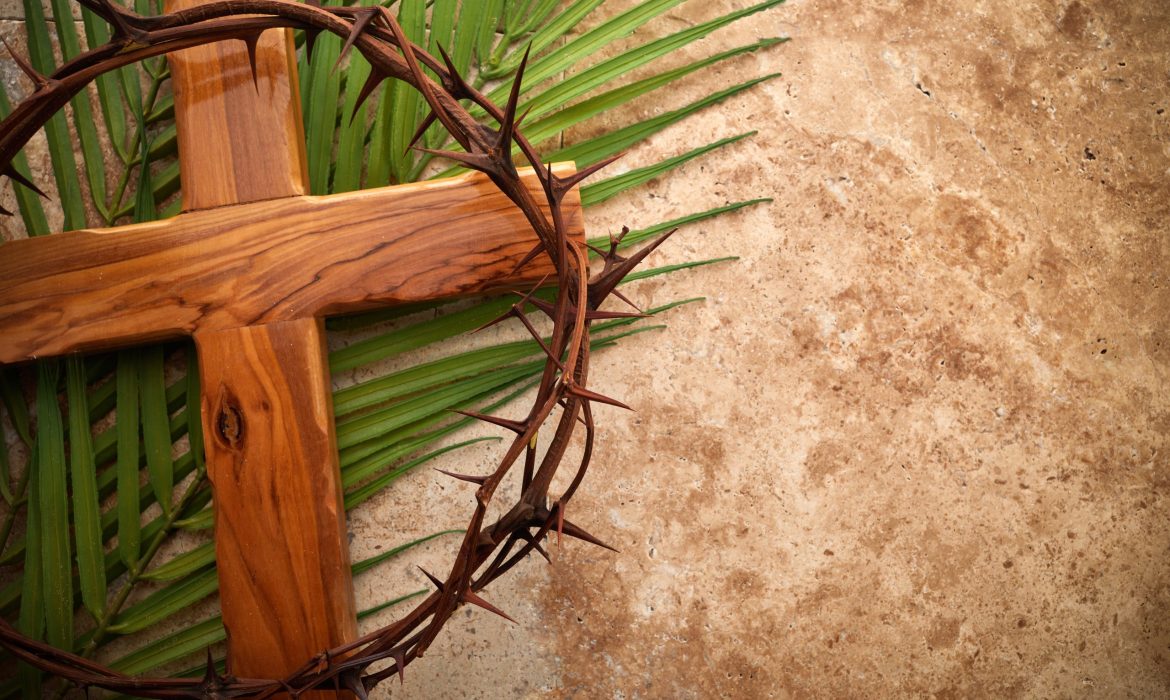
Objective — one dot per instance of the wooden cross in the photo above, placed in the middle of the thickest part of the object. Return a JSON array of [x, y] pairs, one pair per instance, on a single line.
[[249, 270]]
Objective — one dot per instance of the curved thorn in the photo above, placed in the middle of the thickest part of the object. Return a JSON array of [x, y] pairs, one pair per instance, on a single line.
[[361, 20], [13, 173], [583, 393], [470, 596], [470, 478], [372, 82], [515, 426]]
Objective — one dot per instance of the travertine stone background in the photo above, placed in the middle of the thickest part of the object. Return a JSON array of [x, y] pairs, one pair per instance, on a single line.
[[914, 443]]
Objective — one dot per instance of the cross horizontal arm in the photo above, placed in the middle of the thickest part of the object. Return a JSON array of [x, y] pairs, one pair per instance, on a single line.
[[263, 262]]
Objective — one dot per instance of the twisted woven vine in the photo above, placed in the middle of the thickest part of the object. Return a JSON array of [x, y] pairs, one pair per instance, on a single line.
[[563, 401]]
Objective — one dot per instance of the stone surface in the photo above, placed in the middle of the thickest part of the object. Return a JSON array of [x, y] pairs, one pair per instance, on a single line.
[[914, 443]]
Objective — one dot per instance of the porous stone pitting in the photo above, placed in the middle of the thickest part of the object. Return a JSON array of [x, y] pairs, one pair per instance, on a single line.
[[914, 444]]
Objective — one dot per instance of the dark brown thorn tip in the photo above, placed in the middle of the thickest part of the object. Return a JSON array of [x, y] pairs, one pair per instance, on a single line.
[[470, 478], [470, 596], [361, 19], [13, 173], [372, 82], [583, 393], [33, 74], [515, 426]]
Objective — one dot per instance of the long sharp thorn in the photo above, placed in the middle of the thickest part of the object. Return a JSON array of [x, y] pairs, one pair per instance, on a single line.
[[39, 80], [311, 40], [400, 663], [540, 341], [515, 426], [475, 161], [508, 123], [595, 249], [497, 320], [535, 545], [583, 393], [609, 278], [434, 580], [353, 684], [522, 117], [565, 184], [470, 478], [250, 41], [361, 20], [528, 257], [544, 306], [474, 598], [459, 86], [574, 531], [431, 118], [13, 173], [626, 299], [372, 82]]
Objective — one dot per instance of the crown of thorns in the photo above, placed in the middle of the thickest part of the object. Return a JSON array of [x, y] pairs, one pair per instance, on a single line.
[[488, 550]]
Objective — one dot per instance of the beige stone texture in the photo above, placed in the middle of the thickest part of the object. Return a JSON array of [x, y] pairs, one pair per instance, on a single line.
[[914, 441], [914, 444]]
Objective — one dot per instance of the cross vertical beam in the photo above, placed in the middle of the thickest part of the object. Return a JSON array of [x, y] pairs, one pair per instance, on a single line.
[[283, 558]]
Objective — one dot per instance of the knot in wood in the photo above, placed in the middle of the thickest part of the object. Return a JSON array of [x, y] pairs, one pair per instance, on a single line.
[[229, 424]]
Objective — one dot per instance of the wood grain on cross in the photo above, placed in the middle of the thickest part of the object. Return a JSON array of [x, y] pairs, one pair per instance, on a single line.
[[249, 270]]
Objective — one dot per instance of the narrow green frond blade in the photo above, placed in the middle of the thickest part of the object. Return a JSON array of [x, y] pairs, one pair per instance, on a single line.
[[417, 336], [173, 647], [367, 564], [442, 24], [53, 502], [156, 429], [145, 204], [601, 191], [6, 489], [637, 236], [595, 149], [184, 564], [587, 45], [83, 119], [535, 16], [351, 141], [564, 22], [87, 531], [426, 375], [32, 212], [466, 34], [622, 64], [129, 521], [665, 269], [320, 110], [56, 129], [97, 33], [14, 402], [390, 603], [405, 102], [355, 431], [364, 492], [553, 124], [32, 593], [203, 520], [165, 602], [492, 13]]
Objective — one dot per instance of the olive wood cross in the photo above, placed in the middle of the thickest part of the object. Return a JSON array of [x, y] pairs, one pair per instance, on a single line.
[[249, 270]]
